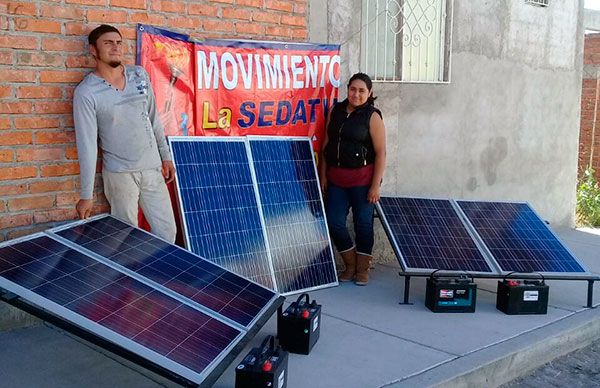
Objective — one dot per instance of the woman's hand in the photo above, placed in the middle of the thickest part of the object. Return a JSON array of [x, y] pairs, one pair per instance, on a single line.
[[373, 194], [323, 183]]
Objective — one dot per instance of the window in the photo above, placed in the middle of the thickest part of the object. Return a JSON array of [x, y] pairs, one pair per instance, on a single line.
[[406, 40]]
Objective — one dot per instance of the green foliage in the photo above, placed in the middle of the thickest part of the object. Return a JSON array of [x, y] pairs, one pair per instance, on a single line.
[[588, 199]]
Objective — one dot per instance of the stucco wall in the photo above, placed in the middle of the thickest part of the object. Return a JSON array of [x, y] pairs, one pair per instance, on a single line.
[[506, 127]]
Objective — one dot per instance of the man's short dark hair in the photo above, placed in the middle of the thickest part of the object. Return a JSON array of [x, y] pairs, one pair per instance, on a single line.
[[99, 31]]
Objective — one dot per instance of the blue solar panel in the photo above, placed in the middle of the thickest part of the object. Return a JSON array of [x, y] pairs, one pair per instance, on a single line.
[[220, 212], [293, 213], [168, 265], [518, 239], [115, 306], [428, 234]]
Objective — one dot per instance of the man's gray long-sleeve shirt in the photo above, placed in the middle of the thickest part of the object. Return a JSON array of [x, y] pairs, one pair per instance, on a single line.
[[124, 121]]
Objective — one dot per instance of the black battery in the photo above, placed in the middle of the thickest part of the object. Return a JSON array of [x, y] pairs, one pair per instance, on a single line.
[[264, 367], [522, 296], [299, 326], [451, 293]]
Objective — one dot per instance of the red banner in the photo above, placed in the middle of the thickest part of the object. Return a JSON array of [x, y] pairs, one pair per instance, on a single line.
[[224, 87]]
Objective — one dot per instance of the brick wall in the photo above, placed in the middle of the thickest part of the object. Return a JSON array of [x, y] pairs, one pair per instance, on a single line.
[[43, 55], [589, 139]]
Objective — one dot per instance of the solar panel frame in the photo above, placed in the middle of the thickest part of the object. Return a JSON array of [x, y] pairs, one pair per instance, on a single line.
[[181, 205], [420, 270], [253, 138], [77, 323], [501, 270]]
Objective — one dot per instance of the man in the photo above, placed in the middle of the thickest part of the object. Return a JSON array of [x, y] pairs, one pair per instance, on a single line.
[[115, 105]]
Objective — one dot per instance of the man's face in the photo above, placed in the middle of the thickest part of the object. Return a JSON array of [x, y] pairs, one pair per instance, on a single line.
[[108, 49]]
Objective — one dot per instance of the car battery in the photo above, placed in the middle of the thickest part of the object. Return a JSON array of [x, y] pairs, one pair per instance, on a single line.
[[299, 326], [451, 293], [264, 367], [522, 296]]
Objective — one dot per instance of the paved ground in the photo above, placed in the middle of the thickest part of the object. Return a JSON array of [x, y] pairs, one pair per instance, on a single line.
[[578, 369], [367, 340]]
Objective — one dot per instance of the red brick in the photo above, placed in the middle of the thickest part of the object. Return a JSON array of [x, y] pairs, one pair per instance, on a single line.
[[78, 29], [300, 33], [12, 189], [71, 153], [62, 169], [12, 173], [128, 33], [267, 17], [168, 6], [54, 137], [61, 44], [106, 16], [249, 28], [278, 31], [61, 12], [278, 5], [36, 25], [15, 107], [7, 156], [46, 186], [137, 4], [251, 3], [17, 75], [12, 221], [299, 21], [4, 123], [50, 107], [29, 203], [87, 2], [24, 232], [222, 1], [3, 22], [188, 22], [55, 215], [36, 122], [5, 91], [39, 92], [61, 76], [299, 8], [39, 154], [80, 61], [204, 10], [20, 8], [39, 59], [67, 121], [142, 17], [19, 42], [236, 13], [67, 199], [16, 138], [218, 26], [6, 58]]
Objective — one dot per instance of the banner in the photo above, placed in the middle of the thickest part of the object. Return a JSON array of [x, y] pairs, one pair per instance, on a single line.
[[265, 88], [168, 59], [237, 88]]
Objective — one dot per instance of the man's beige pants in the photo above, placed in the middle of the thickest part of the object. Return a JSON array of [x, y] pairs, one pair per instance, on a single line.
[[128, 191]]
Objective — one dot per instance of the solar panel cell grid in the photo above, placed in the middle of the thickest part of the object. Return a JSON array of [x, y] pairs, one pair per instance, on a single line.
[[430, 235], [518, 239], [293, 214]]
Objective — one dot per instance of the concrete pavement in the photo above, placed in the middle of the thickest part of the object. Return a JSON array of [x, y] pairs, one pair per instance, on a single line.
[[367, 339]]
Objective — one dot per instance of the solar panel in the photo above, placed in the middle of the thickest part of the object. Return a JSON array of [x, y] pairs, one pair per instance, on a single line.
[[254, 207], [518, 239], [65, 272], [428, 234], [219, 208], [292, 207]]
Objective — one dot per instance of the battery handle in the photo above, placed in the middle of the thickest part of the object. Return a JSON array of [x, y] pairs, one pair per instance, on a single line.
[[461, 276], [543, 283]]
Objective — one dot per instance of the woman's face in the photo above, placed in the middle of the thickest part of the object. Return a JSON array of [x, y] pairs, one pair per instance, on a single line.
[[358, 93]]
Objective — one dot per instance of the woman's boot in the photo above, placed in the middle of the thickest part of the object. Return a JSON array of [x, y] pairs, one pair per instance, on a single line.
[[363, 263], [349, 258]]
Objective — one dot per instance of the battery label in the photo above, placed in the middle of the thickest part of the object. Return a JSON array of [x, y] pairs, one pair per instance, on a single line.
[[281, 379], [447, 294], [315, 323], [530, 296]]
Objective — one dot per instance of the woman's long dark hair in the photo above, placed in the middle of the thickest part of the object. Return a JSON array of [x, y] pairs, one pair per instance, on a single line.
[[367, 80]]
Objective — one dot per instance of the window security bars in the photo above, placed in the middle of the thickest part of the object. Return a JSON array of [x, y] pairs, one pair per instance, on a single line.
[[406, 40]]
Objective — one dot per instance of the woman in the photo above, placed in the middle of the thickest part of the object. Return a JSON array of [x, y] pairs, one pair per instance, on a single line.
[[351, 169]]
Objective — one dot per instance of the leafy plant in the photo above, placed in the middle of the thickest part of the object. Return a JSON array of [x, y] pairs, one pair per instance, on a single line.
[[588, 199]]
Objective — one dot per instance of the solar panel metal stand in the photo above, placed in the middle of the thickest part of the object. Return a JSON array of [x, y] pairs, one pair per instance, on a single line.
[[406, 288]]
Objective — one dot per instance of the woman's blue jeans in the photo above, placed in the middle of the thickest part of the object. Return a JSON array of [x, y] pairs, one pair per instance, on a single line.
[[338, 202]]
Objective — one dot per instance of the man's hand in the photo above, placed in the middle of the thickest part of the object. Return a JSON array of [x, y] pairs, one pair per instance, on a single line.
[[168, 171], [84, 208]]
